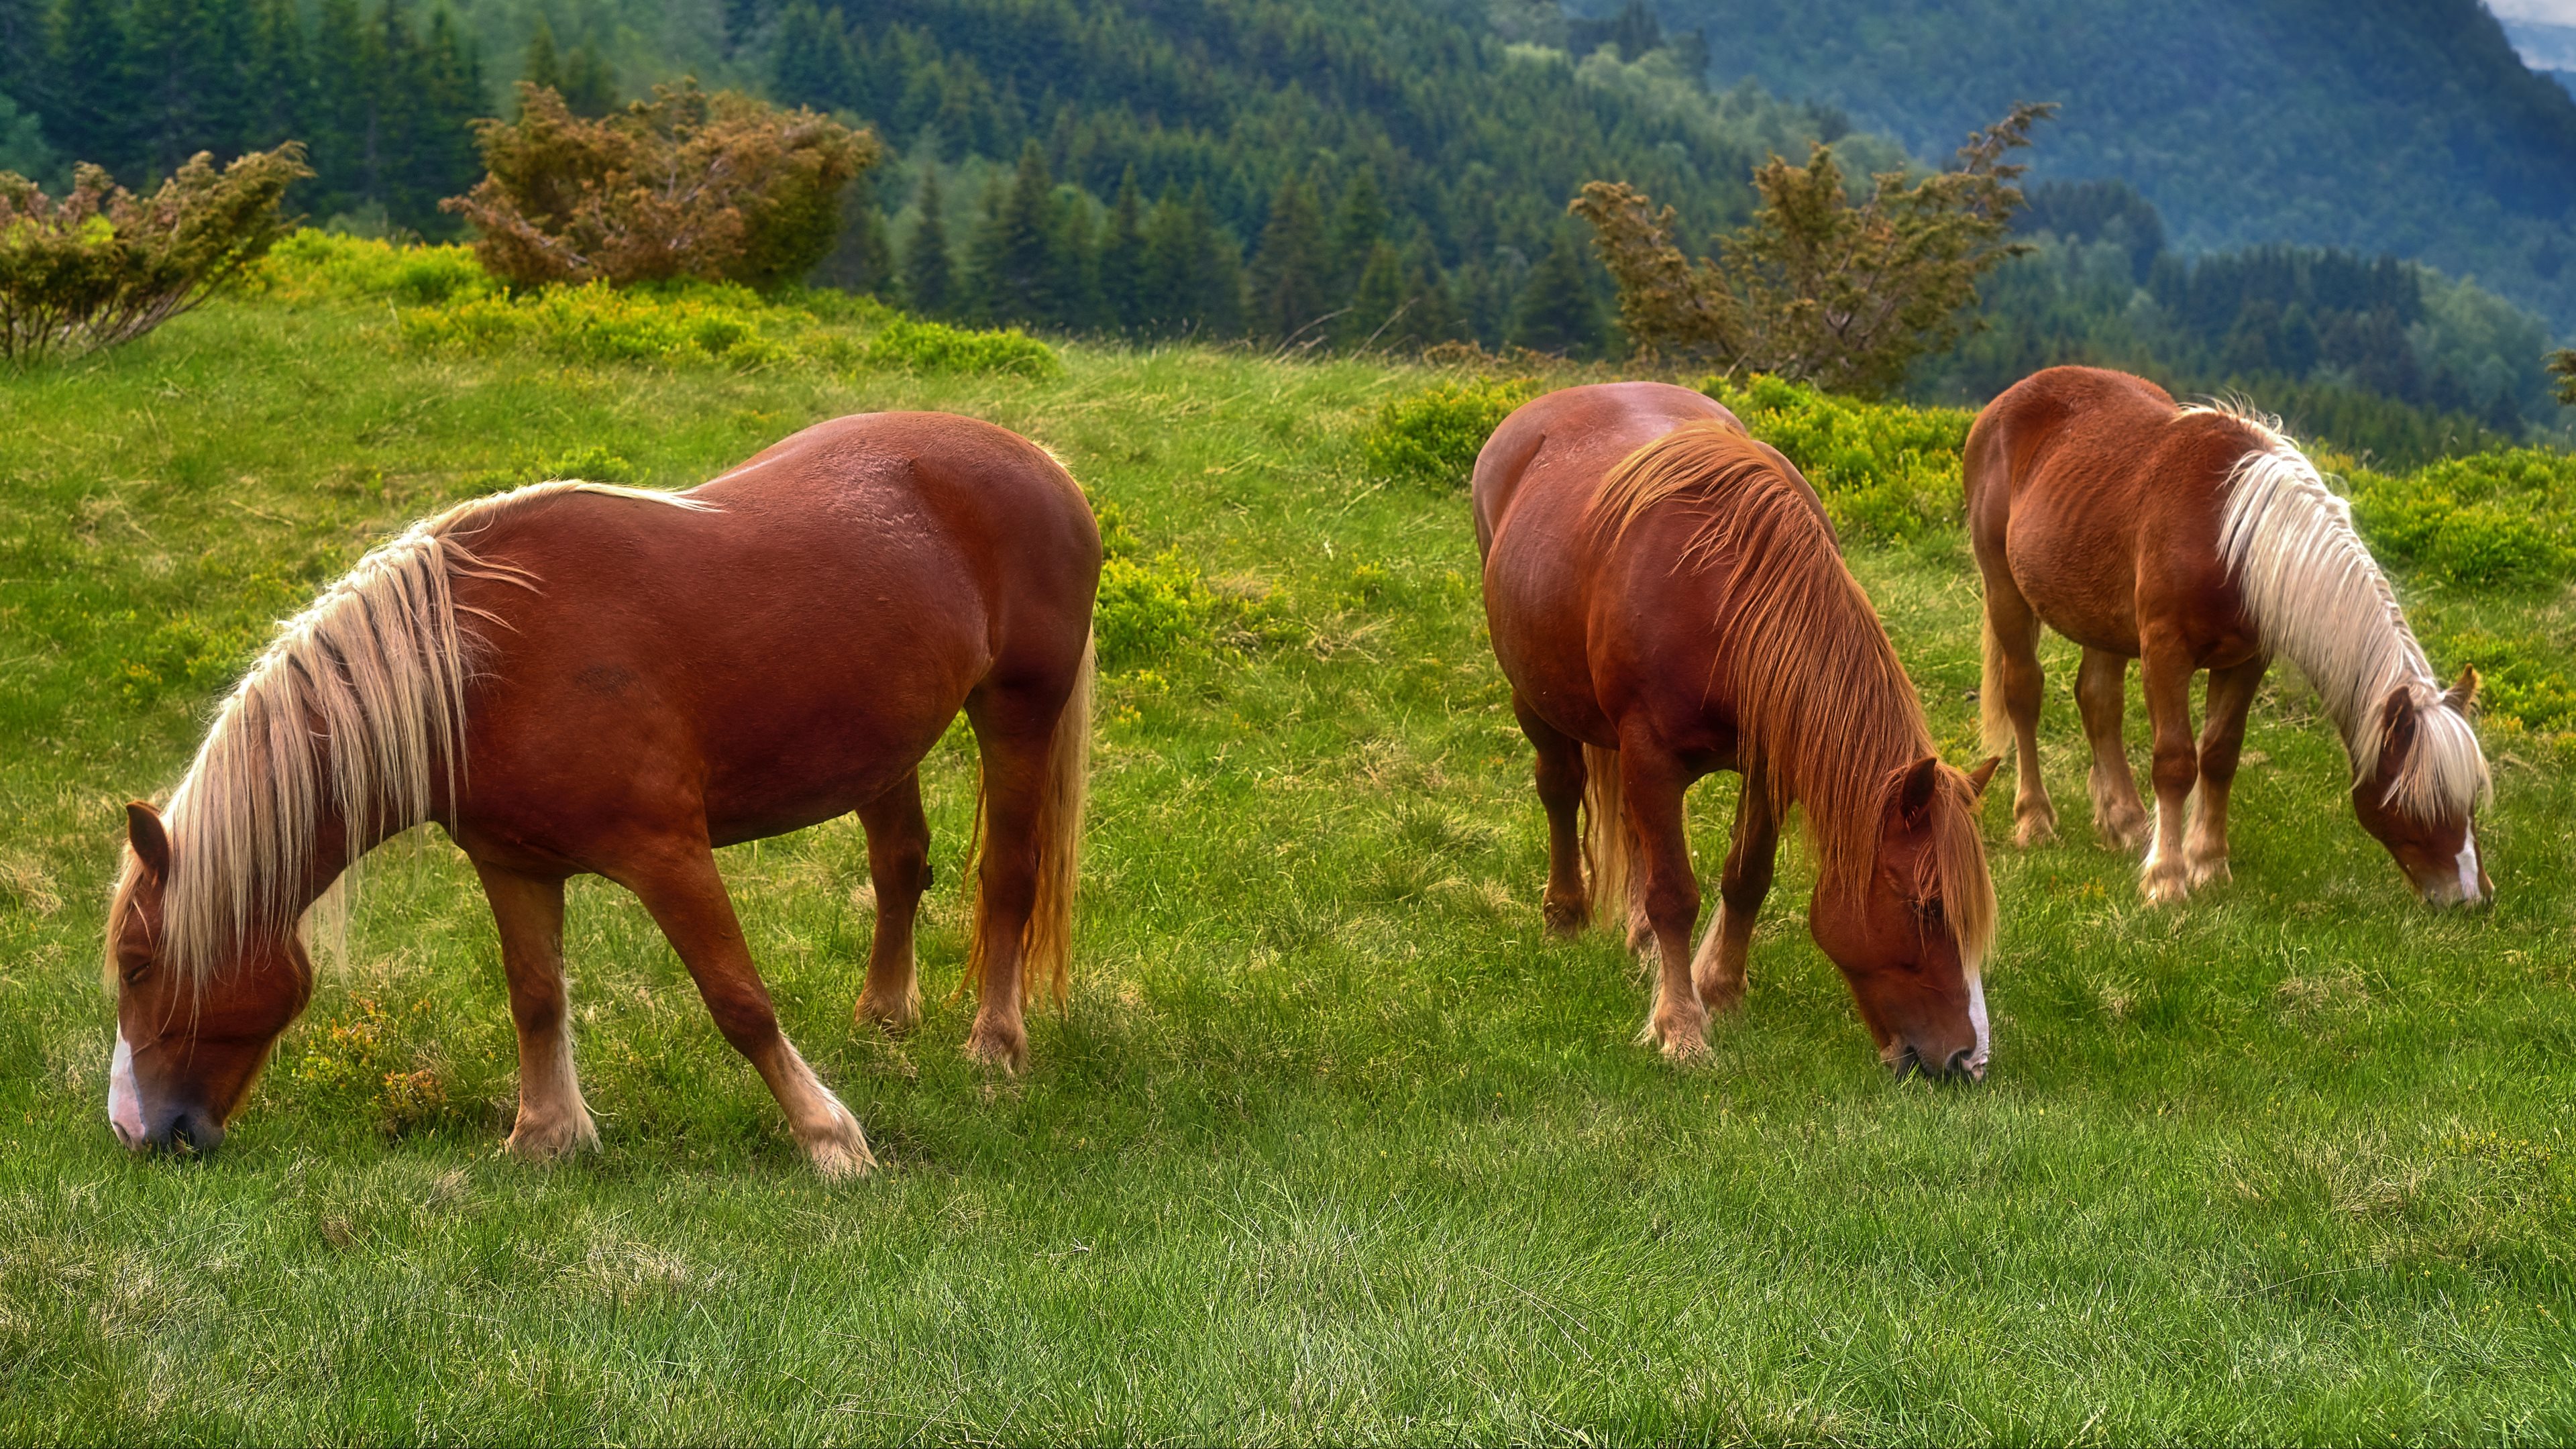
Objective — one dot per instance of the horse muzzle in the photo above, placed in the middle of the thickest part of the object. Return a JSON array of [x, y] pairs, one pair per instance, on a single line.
[[1967, 1064]]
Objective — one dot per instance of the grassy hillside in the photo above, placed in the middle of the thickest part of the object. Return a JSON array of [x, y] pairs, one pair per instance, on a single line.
[[2380, 126], [1332, 1142]]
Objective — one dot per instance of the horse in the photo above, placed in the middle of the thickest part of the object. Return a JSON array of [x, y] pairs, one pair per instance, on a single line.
[[2191, 538], [578, 678], [1667, 599]]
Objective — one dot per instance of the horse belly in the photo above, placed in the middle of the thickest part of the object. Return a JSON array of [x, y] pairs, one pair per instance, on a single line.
[[2078, 573]]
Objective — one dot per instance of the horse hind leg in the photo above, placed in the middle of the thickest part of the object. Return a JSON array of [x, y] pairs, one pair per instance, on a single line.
[[2009, 691], [1719, 968], [1035, 748], [1561, 778], [899, 868], [682, 889], [2101, 695], [553, 1119]]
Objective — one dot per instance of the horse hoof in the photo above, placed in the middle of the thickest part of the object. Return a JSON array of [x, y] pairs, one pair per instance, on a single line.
[[1721, 995], [533, 1140], [1006, 1052], [1680, 1041], [2164, 884], [2120, 833], [2209, 872], [839, 1150], [894, 1018], [2034, 830], [1565, 920]]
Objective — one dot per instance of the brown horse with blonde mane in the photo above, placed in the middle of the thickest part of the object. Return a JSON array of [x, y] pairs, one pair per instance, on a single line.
[[2193, 538], [1668, 599], [574, 678]]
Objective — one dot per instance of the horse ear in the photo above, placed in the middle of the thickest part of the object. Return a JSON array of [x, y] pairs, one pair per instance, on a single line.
[[2396, 729], [2465, 693], [1978, 777], [151, 841], [1914, 793]]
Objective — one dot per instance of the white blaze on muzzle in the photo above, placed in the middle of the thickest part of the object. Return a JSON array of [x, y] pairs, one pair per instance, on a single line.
[[124, 1102], [2468, 864], [1977, 1018]]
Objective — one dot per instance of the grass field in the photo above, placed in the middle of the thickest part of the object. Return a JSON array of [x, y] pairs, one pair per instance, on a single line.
[[1332, 1143]]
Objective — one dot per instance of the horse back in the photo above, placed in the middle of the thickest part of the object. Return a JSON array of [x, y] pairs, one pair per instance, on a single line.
[[789, 651]]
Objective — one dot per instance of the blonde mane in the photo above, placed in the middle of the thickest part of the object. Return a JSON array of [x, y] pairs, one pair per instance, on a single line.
[[2319, 599], [1825, 713], [355, 710]]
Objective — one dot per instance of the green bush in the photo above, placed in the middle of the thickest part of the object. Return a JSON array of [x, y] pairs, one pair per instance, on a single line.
[[2497, 518], [908, 344], [596, 323], [1884, 470], [1433, 436], [2517, 686], [313, 266], [1149, 610]]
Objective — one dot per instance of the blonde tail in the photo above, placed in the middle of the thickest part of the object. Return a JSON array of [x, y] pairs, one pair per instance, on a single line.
[[1992, 718], [1607, 858]]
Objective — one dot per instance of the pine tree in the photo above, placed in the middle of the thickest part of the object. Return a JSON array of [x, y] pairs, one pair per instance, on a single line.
[[1557, 311], [544, 68], [1290, 271], [813, 58], [1193, 279], [90, 109], [1073, 265], [862, 260], [1378, 302], [1015, 250], [1432, 314], [1122, 260], [167, 47], [928, 277], [590, 82], [1358, 226]]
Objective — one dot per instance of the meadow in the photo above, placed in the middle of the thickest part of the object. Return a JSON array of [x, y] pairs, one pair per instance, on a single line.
[[1331, 1142]]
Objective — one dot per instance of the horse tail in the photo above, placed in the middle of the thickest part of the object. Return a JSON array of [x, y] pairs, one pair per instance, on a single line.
[[1607, 859], [1992, 718], [1046, 942]]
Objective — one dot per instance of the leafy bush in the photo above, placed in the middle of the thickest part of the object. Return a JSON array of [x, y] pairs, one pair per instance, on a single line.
[[911, 345], [596, 323], [1433, 436], [720, 187], [1149, 610], [102, 266], [2517, 686], [2488, 519], [1883, 470], [312, 266]]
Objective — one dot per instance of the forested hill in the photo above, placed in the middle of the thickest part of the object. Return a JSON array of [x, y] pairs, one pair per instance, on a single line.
[[2400, 126]]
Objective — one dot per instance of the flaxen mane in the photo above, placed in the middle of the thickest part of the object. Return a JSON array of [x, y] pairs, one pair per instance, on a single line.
[[1825, 712], [2319, 599], [355, 709]]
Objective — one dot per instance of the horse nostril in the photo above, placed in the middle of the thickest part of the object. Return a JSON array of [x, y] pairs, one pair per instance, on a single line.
[[1963, 1062]]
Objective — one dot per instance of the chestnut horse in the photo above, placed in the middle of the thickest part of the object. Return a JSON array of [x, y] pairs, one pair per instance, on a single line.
[[2193, 538], [1667, 599], [574, 678]]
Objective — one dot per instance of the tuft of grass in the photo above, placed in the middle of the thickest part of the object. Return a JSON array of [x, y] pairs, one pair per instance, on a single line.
[[1333, 1143]]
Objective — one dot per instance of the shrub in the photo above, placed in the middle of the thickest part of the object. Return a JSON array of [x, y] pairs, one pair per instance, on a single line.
[[312, 266], [103, 266], [2488, 519], [2516, 684], [721, 187], [1883, 470], [1148, 610], [1433, 436], [910, 345], [1815, 288], [596, 323]]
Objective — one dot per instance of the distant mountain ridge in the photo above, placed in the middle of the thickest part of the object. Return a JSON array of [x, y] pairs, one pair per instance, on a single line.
[[2409, 127]]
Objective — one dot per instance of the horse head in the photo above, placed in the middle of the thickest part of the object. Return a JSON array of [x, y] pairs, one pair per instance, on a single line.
[[191, 1035], [1911, 937], [2421, 793]]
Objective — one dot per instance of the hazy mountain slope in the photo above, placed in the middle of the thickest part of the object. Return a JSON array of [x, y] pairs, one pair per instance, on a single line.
[[2407, 126]]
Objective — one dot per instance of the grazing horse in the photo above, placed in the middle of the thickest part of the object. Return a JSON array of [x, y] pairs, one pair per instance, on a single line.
[[1667, 599], [577, 678], [2191, 538]]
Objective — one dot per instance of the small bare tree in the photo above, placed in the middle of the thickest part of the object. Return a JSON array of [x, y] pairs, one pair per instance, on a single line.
[[1816, 288], [688, 184], [102, 266]]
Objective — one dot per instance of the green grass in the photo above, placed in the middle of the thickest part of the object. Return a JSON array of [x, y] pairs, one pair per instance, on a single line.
[[1332, 1144]]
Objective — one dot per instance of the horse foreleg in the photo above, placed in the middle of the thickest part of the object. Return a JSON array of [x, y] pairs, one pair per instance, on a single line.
[[1718, 970], [2166, 671], [1653, 783], [2102, 697], [529, 910], [1561, 778], [686, 896], [2222, 739], [899, 868]]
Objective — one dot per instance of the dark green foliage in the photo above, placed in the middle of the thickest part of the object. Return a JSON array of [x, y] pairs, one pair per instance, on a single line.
[[2407, 126], [1194, 281], [1121, 276], [862, 256], [1292, 270], [2504, 518], [1558, 312], [929, 277], [587, 83]]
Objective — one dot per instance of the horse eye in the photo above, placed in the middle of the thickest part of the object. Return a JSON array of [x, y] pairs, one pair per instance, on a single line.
[[138, 970]]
